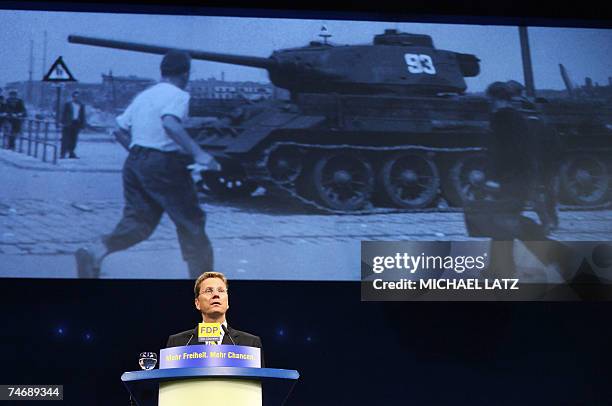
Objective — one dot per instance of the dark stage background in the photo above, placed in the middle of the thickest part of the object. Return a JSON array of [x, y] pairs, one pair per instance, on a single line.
[[586, 13], [346, 351]]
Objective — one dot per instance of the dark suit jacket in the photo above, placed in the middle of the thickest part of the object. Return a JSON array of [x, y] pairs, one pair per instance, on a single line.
[[15, 106], [17, 112], [67, 115], [239, 337]]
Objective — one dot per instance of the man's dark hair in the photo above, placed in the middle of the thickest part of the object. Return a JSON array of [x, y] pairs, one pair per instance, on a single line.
[[76, 93], [206, 275], [515, 88], [175, 63], [499, 90]]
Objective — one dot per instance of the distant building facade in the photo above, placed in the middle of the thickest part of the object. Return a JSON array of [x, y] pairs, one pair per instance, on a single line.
[[589, 90], [217, 89], [212, 97], [118, 91], [208, 96]]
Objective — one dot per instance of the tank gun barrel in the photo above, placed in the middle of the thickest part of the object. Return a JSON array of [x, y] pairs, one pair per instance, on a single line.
[[252, 61]]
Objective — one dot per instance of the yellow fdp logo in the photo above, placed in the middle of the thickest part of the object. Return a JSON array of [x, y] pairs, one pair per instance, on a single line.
[[209, 332]]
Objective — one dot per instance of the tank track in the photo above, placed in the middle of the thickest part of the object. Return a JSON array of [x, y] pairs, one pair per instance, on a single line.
[[259, 173]]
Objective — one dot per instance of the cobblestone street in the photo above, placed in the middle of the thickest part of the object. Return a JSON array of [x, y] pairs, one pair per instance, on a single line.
[[47, 212]]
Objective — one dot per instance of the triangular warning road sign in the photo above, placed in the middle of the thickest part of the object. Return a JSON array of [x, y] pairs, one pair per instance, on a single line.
[[59, 72]]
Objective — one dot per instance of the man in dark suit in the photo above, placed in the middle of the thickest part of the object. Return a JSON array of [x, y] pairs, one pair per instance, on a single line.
[[15, 110], [73, 121], [3, 117], [211, 299], [516, 161]]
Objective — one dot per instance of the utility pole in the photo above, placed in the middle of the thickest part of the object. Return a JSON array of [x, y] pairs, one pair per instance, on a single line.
[[527, 66], [114, 93], [44, 71], [566, 80], [29, 91]]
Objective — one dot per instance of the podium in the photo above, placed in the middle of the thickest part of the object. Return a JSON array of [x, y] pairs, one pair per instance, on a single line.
[[219, 386]]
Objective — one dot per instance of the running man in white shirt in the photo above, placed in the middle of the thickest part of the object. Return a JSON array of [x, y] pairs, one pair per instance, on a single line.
[[155, 174]]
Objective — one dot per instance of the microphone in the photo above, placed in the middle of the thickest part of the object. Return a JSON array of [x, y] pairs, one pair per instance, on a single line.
[[190, 338], [227, 333]]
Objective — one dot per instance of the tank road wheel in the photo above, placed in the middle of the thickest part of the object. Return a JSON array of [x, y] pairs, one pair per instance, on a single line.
[[342, 181], [410, 180], [227, 185], [285, 164], [585, 180], [466, 179]]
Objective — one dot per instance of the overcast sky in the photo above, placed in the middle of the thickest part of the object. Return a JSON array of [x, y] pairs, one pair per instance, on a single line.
[[584, 52]]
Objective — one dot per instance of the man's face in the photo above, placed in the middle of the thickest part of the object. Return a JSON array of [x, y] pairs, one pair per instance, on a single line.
[[213, 300], [75, 97]]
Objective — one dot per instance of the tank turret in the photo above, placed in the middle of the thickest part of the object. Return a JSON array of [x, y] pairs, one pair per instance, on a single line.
[[395, 63]]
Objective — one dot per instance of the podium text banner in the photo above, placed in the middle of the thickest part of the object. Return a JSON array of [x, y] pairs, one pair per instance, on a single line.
[[195, 356]]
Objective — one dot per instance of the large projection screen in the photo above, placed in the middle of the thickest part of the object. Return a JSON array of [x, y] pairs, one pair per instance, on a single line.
[[49, 209]]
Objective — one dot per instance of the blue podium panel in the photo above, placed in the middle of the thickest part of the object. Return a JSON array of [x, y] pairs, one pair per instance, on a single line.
[[144, 385]]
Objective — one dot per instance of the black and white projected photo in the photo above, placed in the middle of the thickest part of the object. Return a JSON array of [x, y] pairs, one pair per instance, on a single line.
[[309, 136]]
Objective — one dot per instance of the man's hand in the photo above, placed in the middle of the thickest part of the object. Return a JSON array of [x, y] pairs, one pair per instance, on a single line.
[[205, 161]]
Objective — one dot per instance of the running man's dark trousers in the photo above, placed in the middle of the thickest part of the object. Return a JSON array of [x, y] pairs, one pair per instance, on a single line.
[[155, 182]]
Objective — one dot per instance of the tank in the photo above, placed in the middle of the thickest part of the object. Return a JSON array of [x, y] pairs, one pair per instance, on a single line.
[[385, 126]]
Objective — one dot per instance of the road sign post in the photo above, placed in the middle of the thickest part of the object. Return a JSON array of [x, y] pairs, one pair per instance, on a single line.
[[58, 103], [59, 74]]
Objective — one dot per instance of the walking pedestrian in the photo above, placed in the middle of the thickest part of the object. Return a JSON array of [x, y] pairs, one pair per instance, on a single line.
[[15, 112], [515, 168], [4, 130], [73, 121]]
